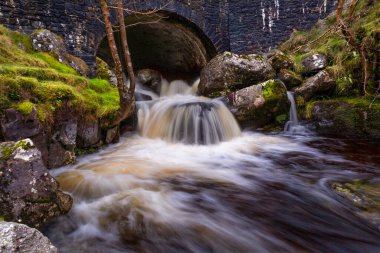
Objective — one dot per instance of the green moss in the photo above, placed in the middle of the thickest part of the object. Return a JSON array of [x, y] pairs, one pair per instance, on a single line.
[[25, 107], [28, 77], [55, 64], [102, 69], [268, 90], [7, 148], [282, 118]]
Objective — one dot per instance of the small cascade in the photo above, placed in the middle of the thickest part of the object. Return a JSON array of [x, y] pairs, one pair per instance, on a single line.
[[180, 116], [293, 122], [293, 126]]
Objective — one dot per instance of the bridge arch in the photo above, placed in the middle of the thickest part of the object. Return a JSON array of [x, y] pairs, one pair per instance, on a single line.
[[165, 41]]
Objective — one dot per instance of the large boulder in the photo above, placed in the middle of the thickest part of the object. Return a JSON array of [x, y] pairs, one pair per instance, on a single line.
[[311, 64], [20, 238], [321, 82], [229, 72], [28, 193], [46, 41], [259, 104], [347, 118]]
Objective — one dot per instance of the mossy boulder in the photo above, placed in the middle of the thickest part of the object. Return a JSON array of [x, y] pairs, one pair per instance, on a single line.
[[279, 60], [290, 78], [316, 85], [260, 105], [46, 41], [313, 63], [29, 194], [230, 72], [347, 118]]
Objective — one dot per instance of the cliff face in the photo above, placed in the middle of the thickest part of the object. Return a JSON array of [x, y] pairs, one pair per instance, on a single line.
[[234, 25]]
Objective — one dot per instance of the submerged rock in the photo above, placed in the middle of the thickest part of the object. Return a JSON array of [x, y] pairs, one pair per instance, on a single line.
[[229, 72], [313, 63], [259, 104], [20, 238], [317, 84], [29, 194]]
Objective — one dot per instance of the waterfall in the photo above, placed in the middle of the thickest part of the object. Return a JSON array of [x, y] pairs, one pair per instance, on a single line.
[[180, 116], [293, 122], [293, 126]]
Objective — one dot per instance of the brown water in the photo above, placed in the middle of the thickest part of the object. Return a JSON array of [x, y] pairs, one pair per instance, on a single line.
[[242, 192]]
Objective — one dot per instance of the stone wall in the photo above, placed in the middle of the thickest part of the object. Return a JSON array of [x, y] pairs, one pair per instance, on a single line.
[[240, 26]]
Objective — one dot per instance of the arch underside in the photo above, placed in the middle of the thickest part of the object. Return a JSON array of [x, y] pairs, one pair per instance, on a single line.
[[165, 42]]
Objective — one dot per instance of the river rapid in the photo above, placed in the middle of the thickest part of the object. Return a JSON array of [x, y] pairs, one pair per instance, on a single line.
[[189, 180]]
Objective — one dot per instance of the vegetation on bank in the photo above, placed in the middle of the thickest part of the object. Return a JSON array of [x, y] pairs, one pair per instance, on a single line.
[[344, 62], [31, 79]]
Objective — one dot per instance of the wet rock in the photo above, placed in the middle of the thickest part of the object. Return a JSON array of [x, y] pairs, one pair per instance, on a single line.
[[88, 134], [29, 194], [46, 41], [279, 61], [313, 63], [150, 78], [289, 78], [20, 238], [112, 135], [15, 126], [63, 140], [259, 104], [229, 72], [350, 118], [59, 156], [321, 82]]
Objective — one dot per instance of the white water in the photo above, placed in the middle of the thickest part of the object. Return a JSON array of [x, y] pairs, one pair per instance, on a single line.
[[293, 126], [160, 191]]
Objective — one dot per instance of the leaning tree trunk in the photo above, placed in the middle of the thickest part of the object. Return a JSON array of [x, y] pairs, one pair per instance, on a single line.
[[127, 102], [127, 54]]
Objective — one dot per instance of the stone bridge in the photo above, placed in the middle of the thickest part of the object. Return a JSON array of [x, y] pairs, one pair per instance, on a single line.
[[181, 36]]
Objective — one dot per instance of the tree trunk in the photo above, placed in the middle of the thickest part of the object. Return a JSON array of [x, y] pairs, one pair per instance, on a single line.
[[124, 42], [127, 102]]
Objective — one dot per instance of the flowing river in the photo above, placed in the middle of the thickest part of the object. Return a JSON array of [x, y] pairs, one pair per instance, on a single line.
[[191, 181]]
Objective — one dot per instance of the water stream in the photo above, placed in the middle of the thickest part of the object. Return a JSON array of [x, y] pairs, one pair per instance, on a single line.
[[191, 181]]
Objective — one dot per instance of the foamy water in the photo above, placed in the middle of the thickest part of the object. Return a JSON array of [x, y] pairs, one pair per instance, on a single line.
[[244, 192]]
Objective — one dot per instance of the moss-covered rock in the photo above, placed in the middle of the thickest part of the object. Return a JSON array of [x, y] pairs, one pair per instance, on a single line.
[[260, 105], [279, 61], [229, 72], [45, 41], [316, 85], [28, 193], [347, 118], [290, 78]]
